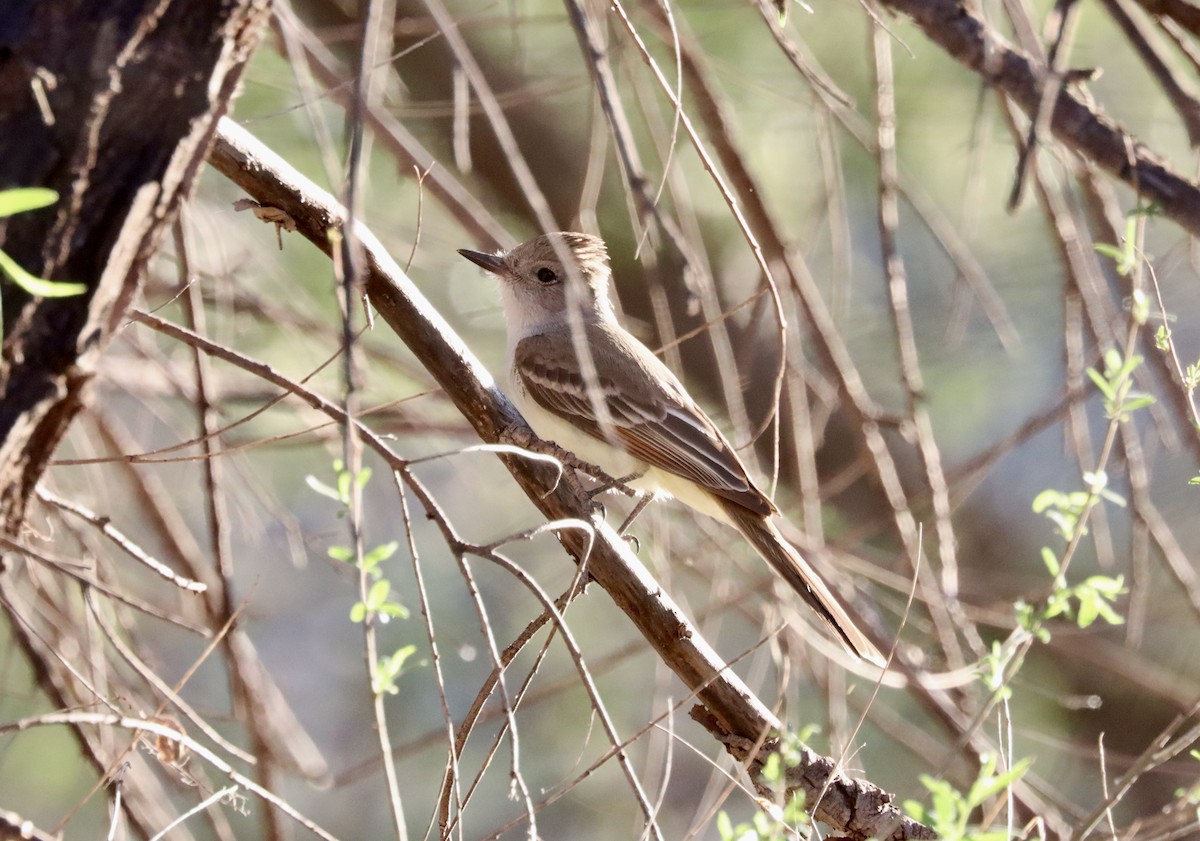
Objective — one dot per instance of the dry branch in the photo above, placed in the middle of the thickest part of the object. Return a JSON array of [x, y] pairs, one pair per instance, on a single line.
[[860, 809], [1080, 127]]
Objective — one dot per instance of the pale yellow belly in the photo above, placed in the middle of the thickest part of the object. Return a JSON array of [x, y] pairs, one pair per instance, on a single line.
[[612, 460]]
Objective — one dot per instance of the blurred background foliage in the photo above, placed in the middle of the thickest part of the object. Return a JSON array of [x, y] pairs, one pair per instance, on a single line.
[[820, 182]]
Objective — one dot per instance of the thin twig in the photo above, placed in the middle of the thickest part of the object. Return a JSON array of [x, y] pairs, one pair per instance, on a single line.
[[104, 524], [943, 608], [137, 725]]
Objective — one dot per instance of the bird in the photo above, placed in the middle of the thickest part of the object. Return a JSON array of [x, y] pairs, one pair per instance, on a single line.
[[583, 382]]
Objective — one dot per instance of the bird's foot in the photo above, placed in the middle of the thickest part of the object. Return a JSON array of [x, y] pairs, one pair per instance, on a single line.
[[585, 496], [608, 483], [524, 437], [645, 500], [571, 465]]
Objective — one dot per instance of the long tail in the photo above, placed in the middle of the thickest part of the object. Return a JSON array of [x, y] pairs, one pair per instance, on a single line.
[[781, 555]]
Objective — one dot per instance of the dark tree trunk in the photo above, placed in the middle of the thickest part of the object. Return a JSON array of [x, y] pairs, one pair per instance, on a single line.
[[113, 104]]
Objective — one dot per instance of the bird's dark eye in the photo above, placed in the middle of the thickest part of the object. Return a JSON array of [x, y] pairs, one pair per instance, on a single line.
[[546, 275]]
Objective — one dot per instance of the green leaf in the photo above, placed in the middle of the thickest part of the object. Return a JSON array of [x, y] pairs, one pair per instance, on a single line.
[[358, 612], [1140, 310], [377, 595], [1108, 586], [364, 476], [341, 553], [1162, 338], [993, 668], [400, 657], [1113, 364], [983, 789], [1109, 615], [1095, 597], [1113, 497], [1191, 377], [772, 770], [23, 199], [803, 736], [793, 812], [1051, 561], [388, 669], [1101, 383], [1131, 223], [20, 200], [1122, 255], [321, 488], [1088, 611], [1046, 499], [1057, 605], [1030, 621], [35, 285], [950, 810], [1130, 365], [1136, 401], [395, 610], [380, 554]]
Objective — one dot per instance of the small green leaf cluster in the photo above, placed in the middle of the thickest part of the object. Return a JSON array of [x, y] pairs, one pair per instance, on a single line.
[[950, 810], [1126, 255], [343, 484], [389, 669], [1065, 510], [1191, 377], [378, 605], [1116, 385], [1127, 258], [1093, 598], [994, 669], [774, 824], [762, 827]]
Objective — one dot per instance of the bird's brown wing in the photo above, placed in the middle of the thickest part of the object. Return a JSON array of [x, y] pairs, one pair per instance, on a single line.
[[652, 416]]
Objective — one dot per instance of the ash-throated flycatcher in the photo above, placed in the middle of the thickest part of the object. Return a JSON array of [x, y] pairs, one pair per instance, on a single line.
[[585, 383]]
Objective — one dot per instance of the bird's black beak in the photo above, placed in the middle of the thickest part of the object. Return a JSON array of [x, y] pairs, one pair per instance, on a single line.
[[489, 262]]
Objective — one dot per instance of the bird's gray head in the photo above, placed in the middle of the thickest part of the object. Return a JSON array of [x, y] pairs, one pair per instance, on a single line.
[[545, 275]]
